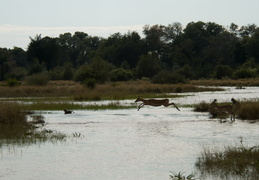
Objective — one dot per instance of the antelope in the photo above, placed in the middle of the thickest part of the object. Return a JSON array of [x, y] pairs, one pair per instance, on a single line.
[[230, 109], [155, 102], [68, 111]]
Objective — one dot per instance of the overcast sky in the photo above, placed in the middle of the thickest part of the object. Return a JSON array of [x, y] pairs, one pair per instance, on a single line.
[[21, 19]]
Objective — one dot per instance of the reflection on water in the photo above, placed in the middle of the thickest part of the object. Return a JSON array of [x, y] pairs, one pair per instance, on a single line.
[[128, 144]]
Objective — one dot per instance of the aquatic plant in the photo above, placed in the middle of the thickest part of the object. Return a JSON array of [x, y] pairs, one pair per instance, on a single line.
[[36, 105], [16, 130], [249, 110], [202, 107], [240, 161], [180, 176]]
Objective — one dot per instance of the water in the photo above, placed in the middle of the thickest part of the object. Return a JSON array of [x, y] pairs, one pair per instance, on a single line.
[[128, 144]]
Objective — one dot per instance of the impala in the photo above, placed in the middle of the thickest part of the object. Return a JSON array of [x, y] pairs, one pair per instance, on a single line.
[[230, 109], [155, 102]]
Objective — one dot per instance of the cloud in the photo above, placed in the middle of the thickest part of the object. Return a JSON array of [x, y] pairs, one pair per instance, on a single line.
[[19, 36]]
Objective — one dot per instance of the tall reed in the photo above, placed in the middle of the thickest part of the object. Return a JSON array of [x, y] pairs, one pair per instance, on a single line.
[[249, 110], [15, 129], [241, 162]]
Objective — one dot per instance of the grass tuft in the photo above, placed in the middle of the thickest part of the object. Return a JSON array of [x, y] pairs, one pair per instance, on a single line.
[[241, 161], [15, 129]]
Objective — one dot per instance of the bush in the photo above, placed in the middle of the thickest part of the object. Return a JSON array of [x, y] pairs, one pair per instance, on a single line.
[[90, 83], [97, 69], [167, 77], [40, 79], [121, 75], [222, 71], [245, 73], [12, 82]]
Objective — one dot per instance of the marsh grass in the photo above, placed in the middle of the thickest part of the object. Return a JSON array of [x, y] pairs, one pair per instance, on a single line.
[[15, 129], [108, 91], [234, 161], [249, 110], [52, 106], [202, 107], [226, 82], [180, 176]]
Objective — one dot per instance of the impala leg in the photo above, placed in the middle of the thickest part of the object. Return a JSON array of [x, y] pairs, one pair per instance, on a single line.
[[174, 106], [140, 106]]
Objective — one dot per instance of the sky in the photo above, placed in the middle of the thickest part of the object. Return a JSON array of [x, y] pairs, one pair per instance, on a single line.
[[22, 19]]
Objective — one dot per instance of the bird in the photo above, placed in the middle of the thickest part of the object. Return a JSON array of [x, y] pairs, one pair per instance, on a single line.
[[68, 111]]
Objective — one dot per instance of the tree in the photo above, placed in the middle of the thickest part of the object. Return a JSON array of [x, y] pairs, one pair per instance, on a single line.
[[46, 50], [148, 66]]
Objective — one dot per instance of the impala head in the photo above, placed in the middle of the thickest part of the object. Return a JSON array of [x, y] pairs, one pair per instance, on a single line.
[[138, 99]]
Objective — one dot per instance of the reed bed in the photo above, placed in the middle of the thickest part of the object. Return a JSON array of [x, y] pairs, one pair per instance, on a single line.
[[15, 129], [249, 110], [237, 162], [51, 106], [108, 91]]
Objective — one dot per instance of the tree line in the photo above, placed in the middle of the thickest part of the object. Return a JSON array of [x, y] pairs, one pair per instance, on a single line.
[[164, 54]]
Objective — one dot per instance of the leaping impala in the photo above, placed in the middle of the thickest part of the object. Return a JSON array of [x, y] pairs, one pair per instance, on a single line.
[[155, 102]]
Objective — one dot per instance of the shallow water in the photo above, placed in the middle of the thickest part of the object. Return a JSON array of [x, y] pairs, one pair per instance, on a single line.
[[128, 144]]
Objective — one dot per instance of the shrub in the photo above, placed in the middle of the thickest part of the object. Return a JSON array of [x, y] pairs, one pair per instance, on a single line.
[[12, 82], [167, 77], [90, 83], [244, 73], [40, 79], [121, 75], [222, 71]]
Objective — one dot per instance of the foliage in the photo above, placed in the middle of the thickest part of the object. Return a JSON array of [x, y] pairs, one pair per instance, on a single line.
[[12, 82], [222, 71], [40, 79], [166, 77], [244, 73], [121, 75], [198, 50]]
